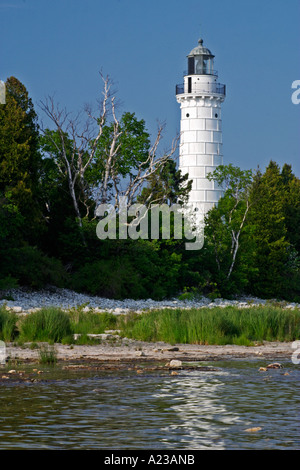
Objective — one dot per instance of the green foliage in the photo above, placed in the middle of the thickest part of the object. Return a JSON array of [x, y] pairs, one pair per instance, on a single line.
[[190, 293], [19, 164], [226, 229], [133, 147], [229, 325], [47, 324], [8, 324], [108, 278], [8, 282], [47, 354], [30, 267], [138, 273], [252, 237], [275, 234], [91, 322], [167, 185]]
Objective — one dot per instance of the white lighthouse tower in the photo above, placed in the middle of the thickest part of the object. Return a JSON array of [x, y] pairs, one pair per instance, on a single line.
[[200, 98]]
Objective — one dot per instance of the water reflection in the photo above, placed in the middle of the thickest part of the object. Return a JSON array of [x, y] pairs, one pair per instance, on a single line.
[[193, 410], [201, 416]]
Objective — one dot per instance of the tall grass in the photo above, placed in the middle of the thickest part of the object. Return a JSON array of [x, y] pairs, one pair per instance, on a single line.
[[8, 324], [47, 355], [90, 322], [47, 324], [228, 325]]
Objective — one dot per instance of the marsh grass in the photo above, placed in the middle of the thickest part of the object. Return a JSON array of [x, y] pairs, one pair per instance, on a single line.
[[91, 322], [217, 325], [47, 355], [47, 324], [8, 324], [229, 325]]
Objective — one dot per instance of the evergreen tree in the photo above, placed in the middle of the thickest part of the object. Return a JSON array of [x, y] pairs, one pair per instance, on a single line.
[[166, 186], [19, 165], [275, 221]]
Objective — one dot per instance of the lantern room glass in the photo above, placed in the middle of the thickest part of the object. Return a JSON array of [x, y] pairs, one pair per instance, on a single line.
[[203, 65]]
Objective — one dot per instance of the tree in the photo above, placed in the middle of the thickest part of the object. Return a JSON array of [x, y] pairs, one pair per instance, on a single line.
[[166, 186], [225, 223], [98, 156], [20, 160], [275, 222]]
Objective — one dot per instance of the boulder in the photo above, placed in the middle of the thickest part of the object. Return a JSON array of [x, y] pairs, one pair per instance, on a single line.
[[175, 363]]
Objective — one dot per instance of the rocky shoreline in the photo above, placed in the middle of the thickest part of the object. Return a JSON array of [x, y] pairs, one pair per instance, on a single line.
[[24, 301], [116, 350], [125, 351]]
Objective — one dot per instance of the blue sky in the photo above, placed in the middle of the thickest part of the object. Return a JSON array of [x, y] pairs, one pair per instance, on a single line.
[[59, 46]]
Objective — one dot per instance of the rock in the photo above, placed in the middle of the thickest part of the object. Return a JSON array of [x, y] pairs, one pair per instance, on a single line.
[[175, 363], [25, 301], [275, 365], [253, 429], [140, 353], [174, 372], [11, 371], [102, 336], [17, 309], [263, 369]]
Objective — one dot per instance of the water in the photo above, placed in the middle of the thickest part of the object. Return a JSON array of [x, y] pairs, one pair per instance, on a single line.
[[154, 410]]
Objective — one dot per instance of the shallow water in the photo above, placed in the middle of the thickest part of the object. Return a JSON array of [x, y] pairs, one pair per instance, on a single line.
[[154, 410]]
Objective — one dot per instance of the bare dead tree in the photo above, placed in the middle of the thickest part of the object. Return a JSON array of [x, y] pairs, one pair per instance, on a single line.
[[235, 236], [84, 139]]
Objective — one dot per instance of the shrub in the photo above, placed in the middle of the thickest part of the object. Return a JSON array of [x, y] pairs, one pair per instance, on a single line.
[[30, 267], [114, 278]]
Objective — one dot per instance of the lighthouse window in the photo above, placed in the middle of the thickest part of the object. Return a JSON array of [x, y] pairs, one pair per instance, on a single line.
[[191, 66], [216, 115]]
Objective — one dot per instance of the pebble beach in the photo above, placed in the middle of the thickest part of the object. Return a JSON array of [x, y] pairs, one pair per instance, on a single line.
[[22, 300]]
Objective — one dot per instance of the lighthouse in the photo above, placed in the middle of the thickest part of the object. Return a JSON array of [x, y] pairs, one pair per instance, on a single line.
[[200, 98]]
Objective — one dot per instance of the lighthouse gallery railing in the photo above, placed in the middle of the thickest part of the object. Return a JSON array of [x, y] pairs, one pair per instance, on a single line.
[[216, 88]]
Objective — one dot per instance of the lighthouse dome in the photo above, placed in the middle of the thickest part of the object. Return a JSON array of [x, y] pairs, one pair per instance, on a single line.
[[200, 50]]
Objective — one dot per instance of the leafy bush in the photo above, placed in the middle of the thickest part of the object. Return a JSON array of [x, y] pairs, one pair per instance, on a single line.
[[8, 282], [33, 268], [114, 278]]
